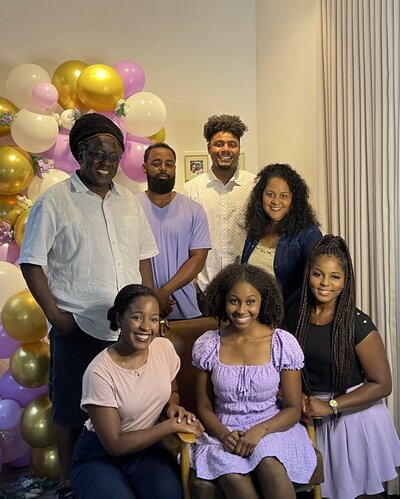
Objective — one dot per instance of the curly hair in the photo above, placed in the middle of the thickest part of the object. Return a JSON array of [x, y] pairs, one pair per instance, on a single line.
[[343, 337], [224, 123], [271, 309], [124, 298], [258, 224]]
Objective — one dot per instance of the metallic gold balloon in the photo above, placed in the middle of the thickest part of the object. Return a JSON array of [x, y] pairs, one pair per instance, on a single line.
[[16, 170], [6, 106], [29, 364], [37, 428], [100, 87], [44, 462], [10, 209], [65, 79], [159, 136], [19, 227], [23, 319]]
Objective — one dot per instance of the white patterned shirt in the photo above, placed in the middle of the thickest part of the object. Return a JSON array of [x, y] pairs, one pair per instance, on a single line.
[[225, 206]]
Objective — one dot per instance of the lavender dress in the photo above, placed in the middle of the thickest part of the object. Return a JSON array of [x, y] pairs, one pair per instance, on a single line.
[[244, 397]]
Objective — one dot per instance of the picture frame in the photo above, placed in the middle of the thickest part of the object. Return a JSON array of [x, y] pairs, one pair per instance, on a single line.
[[196, 163]]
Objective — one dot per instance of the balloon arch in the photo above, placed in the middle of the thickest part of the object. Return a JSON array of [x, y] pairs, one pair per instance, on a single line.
[[36, 157]]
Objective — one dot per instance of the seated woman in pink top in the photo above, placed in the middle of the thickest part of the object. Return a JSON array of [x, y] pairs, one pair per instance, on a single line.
[[125, 390]]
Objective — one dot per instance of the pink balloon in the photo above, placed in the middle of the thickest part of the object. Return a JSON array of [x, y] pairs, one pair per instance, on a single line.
[[132, 160], [10, 389], [12, 445], [141, 140], [9, 252], [44, 95], [132, 75], [23, 461], [10, 414], [61, 154], [7, 347]]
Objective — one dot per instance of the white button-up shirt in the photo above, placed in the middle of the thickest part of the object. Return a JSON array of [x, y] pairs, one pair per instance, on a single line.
[[88, 247], [225, 205]]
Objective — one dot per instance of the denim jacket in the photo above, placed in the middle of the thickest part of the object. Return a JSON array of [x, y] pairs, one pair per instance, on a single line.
[[290, 260]]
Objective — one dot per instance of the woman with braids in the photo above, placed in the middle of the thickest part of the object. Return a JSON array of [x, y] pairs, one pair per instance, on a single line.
[[125, 389], [345, 378], [251, 432], [281, 227]]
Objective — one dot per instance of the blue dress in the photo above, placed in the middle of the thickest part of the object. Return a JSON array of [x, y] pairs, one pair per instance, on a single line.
[[245, 396]]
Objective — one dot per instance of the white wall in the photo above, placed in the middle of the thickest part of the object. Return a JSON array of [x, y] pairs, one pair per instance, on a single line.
[[199, 57], [286, 85]]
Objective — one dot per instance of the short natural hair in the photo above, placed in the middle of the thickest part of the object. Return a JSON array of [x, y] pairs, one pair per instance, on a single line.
[[224, 123], [271, 309], [157, 145], [124, 298]]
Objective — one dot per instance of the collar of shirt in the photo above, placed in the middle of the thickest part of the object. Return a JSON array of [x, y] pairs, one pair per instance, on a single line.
[[235, 178], [79, 186]]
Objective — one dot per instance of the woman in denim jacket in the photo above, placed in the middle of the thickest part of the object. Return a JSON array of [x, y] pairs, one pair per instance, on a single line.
[[281, 227]]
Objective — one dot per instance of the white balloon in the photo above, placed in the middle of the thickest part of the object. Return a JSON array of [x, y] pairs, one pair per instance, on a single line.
[[146, 114], [34, 132], [11, 281], [20, 82], [39, 185]]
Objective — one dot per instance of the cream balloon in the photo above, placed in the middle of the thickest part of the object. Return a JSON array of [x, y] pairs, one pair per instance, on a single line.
[[39, 185], [146, 114], [20, 82], [34, 132], [11, 281]]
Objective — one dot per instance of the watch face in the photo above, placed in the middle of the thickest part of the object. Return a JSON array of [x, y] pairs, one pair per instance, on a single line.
[[333, 403]]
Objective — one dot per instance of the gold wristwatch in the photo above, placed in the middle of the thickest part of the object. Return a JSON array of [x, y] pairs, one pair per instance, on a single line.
[[334, 406]]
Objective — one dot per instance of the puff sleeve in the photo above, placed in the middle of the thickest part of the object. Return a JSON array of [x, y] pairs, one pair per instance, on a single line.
[[286, 351], [205, 350]]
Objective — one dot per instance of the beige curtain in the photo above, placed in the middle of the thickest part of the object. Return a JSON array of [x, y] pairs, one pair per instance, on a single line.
[[358, 116]]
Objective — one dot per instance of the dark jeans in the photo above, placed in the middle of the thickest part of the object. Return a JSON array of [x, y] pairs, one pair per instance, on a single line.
[[69, 357], [147, 474]]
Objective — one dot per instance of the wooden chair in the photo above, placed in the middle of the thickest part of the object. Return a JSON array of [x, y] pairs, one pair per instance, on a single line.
[[183, 334]]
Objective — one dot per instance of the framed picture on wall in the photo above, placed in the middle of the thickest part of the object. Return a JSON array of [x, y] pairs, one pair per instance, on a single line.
[[196, 163]]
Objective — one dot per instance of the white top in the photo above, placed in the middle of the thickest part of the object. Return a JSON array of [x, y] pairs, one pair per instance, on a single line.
[[263, 257], [225, 206], [89, 248], [139, 395]]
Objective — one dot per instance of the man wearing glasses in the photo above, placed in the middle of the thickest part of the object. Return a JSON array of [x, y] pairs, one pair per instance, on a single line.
[[181, 231], [85, 239]]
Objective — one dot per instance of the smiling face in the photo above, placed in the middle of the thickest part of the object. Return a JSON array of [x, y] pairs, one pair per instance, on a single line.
[[99, 158], [327, 278], [139, 323], [224, 149], [243, 302], [277, 199]]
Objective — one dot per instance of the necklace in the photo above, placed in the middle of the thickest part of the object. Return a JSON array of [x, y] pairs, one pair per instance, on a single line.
[[320, 320]]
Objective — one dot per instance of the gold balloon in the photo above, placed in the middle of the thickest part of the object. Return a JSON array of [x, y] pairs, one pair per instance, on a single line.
[[37, 428], [159, 136], [19, 227], [44, 462], [23, 319], [65, 79], [100, 87], [6, 107], [10, 209], [16, 170], [29, 364]]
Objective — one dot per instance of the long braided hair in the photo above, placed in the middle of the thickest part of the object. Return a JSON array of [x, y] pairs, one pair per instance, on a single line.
[[342, 339]]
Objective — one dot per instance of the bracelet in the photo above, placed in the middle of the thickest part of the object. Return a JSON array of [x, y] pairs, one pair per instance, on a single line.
[[265, 426]]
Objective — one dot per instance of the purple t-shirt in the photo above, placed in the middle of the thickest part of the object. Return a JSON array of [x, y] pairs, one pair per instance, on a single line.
[[179, 227]]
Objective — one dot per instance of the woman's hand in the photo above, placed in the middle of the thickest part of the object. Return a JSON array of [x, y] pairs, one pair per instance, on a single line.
[[249, 440], [183, 426], [180, 413], [231, 439], [315, 408]]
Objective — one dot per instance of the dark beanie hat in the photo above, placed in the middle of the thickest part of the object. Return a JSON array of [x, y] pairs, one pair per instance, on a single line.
[[90, 125]]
